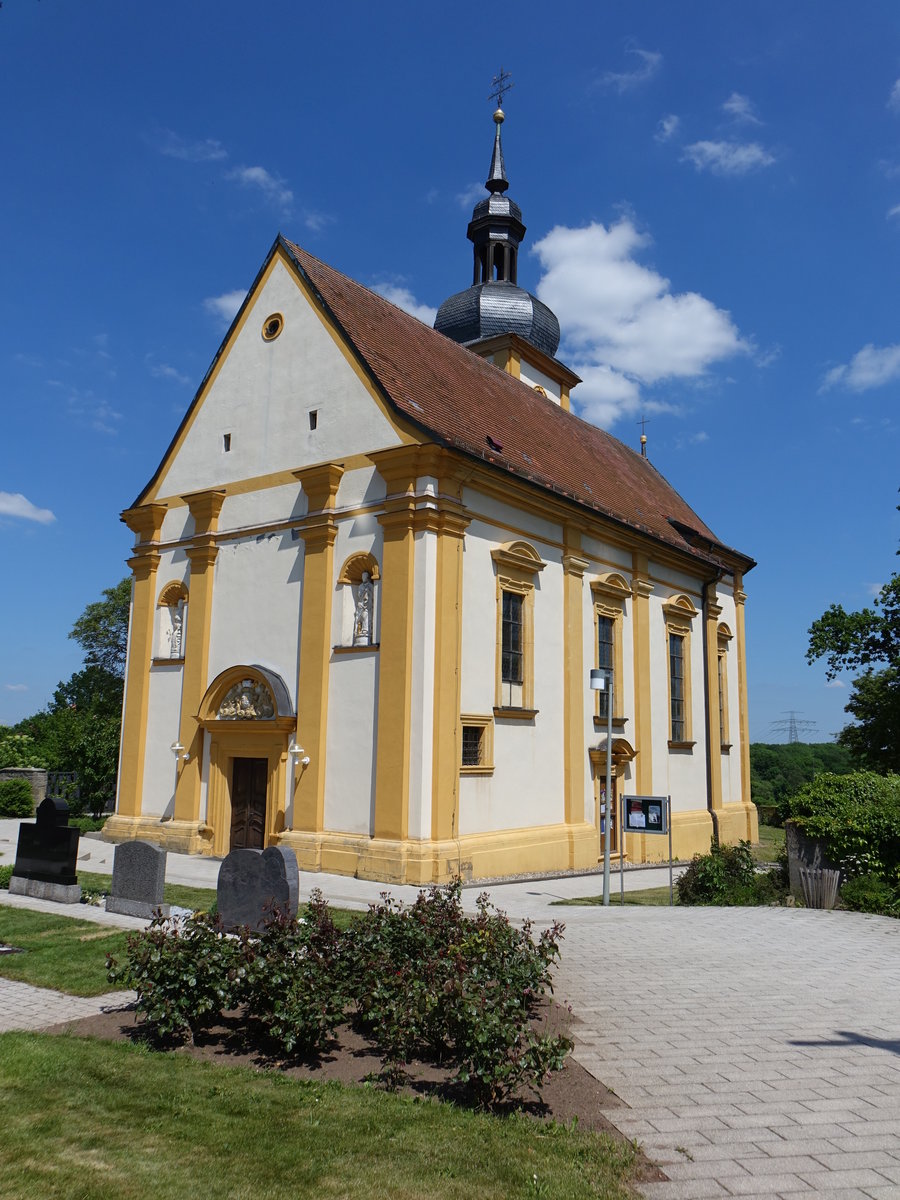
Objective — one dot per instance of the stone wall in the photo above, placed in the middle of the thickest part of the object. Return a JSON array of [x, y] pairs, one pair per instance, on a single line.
[[36, 776]]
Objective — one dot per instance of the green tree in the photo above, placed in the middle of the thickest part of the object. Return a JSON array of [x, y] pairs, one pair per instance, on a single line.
[[867, 639], [102, 629], [80, 728]]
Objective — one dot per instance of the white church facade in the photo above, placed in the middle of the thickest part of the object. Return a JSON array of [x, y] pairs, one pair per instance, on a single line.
[[372, 574]]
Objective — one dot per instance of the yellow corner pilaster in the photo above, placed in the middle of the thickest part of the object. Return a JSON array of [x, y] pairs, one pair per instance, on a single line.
[[395, 671], [201, 554], [714, 740], [574, 682], [319, 533], [740, 599], [446, 753], [137, 687]]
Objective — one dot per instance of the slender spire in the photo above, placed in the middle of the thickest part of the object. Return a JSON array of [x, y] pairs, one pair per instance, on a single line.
[[496, 180]]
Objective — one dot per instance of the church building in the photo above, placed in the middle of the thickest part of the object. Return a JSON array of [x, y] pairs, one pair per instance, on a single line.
[[373, 572]]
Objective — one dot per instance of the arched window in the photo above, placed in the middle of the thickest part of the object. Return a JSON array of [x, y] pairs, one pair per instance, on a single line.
[[171, 620], [358, 579]]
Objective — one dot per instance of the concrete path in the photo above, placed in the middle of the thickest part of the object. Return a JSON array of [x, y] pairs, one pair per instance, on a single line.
[[758, 1049], [25, 1007]]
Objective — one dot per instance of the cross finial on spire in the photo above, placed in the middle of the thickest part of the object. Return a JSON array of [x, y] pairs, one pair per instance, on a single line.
[[500, 85], [643, 424]]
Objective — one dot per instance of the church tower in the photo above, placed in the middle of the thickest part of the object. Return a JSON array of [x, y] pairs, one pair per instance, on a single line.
[[494, 317]]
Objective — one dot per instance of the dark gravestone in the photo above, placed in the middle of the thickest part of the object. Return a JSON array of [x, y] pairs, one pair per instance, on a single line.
[[252, 881], [138, 879], [46, 854]]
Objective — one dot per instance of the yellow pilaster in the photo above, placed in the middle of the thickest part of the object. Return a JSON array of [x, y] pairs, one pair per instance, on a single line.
[[204, 507], [446, 753], [713, 734], [318, 532], [146, 523], [740, 599], [641, 591], [395, 671], [574, 684]]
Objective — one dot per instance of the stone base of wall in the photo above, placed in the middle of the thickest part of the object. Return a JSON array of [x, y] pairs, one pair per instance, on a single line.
[[62, 893]]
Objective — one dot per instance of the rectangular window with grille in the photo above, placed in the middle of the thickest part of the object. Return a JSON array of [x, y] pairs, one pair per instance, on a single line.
[[676, 686], [512, 648], [604, 660], [723, 699], [472, 745]]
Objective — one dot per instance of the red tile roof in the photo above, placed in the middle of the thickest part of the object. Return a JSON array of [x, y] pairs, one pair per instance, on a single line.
[[468, 404]]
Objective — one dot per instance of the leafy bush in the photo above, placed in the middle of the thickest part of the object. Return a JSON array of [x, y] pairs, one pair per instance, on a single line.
[[870, 894], [292, 985], [19, 750], [728, 876], [423, 981], [5, 876], [430, 981], [16, 799], [186, 973], [857, 817]]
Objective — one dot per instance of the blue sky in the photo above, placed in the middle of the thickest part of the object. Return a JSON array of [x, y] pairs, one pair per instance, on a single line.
[[712, 195]]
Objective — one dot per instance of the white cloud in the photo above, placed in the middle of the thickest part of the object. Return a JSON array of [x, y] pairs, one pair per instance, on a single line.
[[667, 128], [272, 186], [741, 108], [224, 307], [14, 504], [835, 683], [625, 81], [316, 221], [625, 328], [871, 367], [894, 98], [173, 145], [164, 371], [470, 195], [894, 212], [728, 158], [403, 298], [15, 687]]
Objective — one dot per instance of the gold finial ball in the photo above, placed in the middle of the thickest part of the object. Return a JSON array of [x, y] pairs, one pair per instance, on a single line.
[[643, 439], [499, 116]]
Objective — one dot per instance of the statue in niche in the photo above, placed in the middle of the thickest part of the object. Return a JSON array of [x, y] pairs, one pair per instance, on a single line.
[[247, 701], [176, 630], [362, 620]]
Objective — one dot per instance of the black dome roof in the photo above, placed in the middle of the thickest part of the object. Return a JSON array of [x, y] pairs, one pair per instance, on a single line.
[[488, 309]]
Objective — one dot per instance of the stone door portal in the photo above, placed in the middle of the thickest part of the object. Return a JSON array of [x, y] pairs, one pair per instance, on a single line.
[[249, 777]]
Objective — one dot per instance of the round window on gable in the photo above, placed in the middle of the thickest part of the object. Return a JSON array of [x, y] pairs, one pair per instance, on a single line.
[[272, 326]]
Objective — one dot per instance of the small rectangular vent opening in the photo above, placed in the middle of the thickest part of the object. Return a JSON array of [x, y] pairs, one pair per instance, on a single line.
[[313, 418], [226, 442]]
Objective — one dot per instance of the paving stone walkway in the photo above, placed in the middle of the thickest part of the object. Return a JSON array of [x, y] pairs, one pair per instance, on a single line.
[[25, 1007], [758, 1049]]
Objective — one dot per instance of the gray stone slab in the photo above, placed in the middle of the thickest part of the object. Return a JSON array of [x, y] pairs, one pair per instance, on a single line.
[[39, 889], [138, 880], [252, 882]]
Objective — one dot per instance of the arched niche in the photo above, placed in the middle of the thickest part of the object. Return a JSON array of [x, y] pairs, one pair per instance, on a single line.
[[171, 620], [358, 581]]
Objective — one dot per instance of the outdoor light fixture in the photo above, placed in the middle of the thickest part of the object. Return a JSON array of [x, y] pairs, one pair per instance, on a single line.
[[179, 751], [297, 752], [602, 681]]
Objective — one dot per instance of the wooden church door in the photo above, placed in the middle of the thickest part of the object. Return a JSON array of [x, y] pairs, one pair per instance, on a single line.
[[249, 777]]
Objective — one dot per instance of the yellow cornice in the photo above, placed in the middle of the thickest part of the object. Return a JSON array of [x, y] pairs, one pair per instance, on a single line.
[[519, 557], [145, 521], [205, 507]]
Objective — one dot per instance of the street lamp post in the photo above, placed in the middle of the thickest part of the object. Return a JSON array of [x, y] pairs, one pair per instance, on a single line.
[[602, 681]]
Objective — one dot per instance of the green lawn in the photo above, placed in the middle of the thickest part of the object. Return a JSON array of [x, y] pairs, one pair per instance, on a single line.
[[770, 843], [69, 955], [61, 952], [173, 893], [111, 1121], [657, 895]]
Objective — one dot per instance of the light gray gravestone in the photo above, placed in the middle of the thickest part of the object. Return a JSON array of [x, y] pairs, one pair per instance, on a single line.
[[139, 875], [252, 881]]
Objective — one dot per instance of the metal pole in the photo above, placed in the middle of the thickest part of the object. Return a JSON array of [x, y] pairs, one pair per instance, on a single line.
[[608, 822], [669, 823]]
